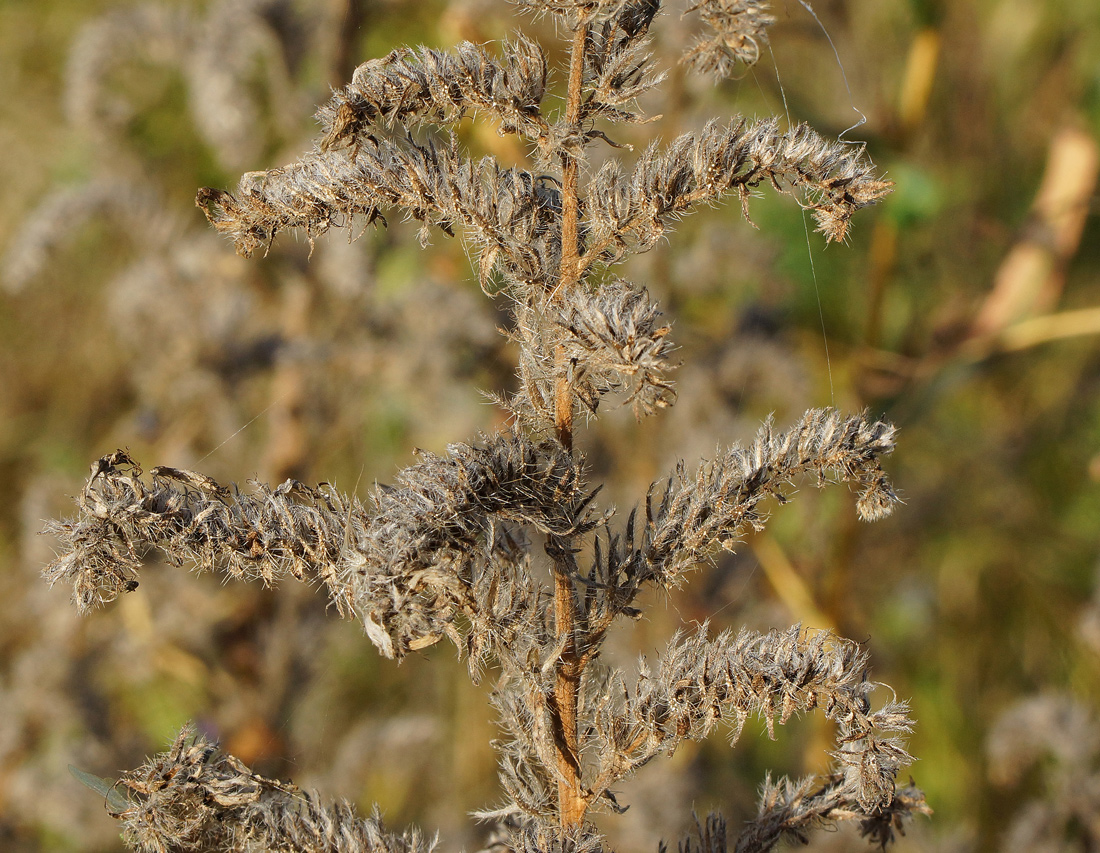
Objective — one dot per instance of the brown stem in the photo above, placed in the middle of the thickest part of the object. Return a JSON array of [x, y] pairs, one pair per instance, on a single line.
[[572, 802], [570, 270], [570, 201], [563, 403]]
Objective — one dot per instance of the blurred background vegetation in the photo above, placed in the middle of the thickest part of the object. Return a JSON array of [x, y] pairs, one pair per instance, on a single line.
[[966, 309]]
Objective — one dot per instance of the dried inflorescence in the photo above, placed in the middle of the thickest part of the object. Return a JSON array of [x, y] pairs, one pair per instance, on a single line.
[[700, 683], [219, 51], [1053, 738], [137, 209], [509, 213], [738, 35], [452, 549], [406, 569], [618, 65], [440, 543], [195, 797], [617, 341], [360, 165], [719, 504], [632, 212], [429, 86], [790, 809]]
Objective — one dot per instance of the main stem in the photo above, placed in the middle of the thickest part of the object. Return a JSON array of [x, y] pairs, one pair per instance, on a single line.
[[570, 199], [572, 803]]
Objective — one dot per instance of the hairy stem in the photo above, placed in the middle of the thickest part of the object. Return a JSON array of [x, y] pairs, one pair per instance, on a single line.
[[572, 804], [563, 402], [570, 202]]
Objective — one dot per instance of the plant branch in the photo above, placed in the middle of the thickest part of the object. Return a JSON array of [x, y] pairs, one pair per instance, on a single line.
[[195, 797]]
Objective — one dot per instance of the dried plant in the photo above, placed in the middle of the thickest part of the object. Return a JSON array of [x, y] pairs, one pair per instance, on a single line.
[[449, 552], [1056, 739], [218, 52]]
